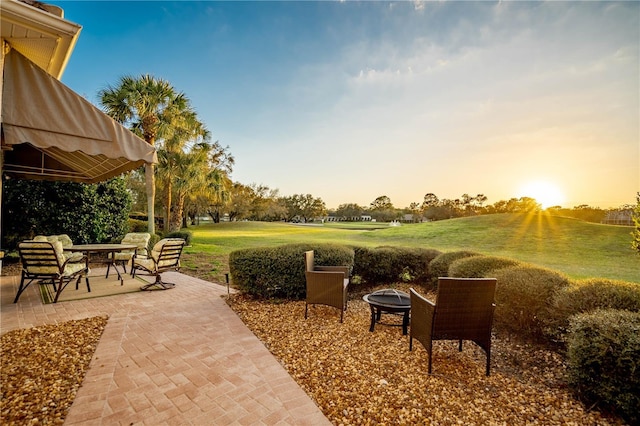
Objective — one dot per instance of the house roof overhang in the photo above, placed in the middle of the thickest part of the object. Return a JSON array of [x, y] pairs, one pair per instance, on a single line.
[[40, 32]]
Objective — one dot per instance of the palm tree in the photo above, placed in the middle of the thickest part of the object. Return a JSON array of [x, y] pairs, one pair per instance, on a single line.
[[153, 110], [190, 175], [187, 134]]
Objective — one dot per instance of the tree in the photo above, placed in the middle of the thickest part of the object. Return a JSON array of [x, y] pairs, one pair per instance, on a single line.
[[150, 107], [266, 203], [430, 200], [218, 192], [635, 244], [349, 211], [382, 209], [240, 201], [187, 134], [304, 206], [381, 203]]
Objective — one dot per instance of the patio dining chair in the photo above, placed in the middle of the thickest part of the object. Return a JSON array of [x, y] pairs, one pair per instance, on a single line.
[[66, 242], [140, 239], [164, 256], [326, 285], [463, 310], [42, 261]]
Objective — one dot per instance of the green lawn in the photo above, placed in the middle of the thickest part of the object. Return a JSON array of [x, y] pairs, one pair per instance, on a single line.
[[579, 249]]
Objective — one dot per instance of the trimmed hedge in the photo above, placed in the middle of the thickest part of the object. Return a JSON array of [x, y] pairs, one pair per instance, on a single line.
[[479, 266], [279, 271], [187, 236], [604, 359], [387, 264], [136, 225], [439, 267], [588, 295], [524, 295]]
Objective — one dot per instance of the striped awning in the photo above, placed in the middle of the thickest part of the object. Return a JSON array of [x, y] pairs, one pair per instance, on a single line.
[[50, 132]]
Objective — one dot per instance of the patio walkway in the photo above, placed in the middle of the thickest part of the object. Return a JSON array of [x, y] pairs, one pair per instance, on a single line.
[[179, 357]]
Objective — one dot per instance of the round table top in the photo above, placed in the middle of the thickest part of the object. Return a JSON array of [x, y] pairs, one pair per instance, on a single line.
[[101, 247]]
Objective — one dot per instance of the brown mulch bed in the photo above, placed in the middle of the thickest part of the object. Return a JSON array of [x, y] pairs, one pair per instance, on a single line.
[[42, 369], [356, 377], [10, 268], [362, 378]]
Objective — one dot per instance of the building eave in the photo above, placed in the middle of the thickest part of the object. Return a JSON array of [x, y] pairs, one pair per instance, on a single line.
[[44, 37]]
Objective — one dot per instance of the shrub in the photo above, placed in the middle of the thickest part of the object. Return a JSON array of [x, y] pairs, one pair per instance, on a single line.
[[185, 235], [523, 296], [279, 271], [588, 295], [479, 266], [153, 240], [439, 267], [392, 264], [603, 359], [93, 213], [136, 225]]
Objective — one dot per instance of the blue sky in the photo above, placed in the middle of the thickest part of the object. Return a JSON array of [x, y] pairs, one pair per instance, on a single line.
[[349, 100]]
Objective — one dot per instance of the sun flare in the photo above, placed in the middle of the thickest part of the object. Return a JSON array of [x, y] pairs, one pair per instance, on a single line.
[[546, 193]]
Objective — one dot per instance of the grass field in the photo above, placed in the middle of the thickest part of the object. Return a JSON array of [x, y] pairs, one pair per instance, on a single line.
[[579, 249]]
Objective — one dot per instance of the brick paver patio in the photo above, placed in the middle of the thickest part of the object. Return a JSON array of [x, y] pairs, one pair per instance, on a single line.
[[180, 356]]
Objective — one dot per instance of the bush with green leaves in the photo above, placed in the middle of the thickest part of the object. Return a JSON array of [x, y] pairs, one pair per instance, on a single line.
[[588, 295], [279, 271], [388, 264], [479, 266], [136, 225], [153, 241], [439, 267], [187, 236], [94, 213], [523, 296], [603, 360]]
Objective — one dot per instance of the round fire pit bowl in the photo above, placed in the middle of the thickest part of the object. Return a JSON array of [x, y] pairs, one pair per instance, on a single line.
[[391, 301]]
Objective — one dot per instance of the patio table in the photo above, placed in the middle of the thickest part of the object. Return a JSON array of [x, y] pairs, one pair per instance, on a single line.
[[89, 249]]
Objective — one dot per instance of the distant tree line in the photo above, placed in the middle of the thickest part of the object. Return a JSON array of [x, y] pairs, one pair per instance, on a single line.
[[261, 203], [193, 179]]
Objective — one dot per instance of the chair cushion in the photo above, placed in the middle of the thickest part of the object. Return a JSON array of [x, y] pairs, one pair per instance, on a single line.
[[65, 241], [146, 262], [123, 255], [162, 242], [150, 262], [75, 256], [63, 238], [54, 268], [140, 239], [72, 268]]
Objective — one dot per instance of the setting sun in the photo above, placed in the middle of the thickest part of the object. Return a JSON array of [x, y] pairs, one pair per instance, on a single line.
[[545, 193]]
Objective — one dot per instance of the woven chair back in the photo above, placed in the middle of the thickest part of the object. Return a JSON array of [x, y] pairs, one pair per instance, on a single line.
[[464, 308]]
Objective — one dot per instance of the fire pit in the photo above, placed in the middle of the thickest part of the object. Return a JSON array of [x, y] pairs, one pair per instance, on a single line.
[[391, 301]]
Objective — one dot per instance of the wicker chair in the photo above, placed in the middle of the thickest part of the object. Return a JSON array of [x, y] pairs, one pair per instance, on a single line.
[[165, 256], [463, 311], [326, 285], [46, 261], [140, 239]]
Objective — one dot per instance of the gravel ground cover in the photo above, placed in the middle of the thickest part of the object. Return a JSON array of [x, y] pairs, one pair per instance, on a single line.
[[362, 378], [42, 369], [356, 377]]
